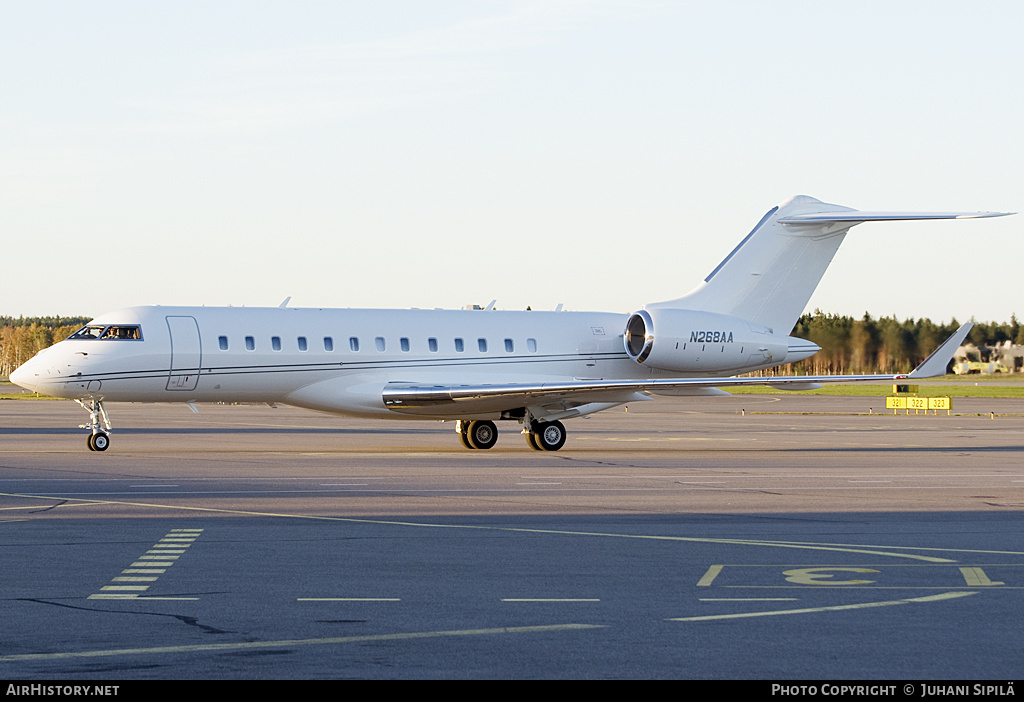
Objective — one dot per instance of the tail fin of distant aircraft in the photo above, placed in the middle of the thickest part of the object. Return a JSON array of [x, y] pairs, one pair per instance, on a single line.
[[769, 277]]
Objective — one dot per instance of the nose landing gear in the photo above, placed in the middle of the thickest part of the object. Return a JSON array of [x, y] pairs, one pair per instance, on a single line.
[[98, 426]]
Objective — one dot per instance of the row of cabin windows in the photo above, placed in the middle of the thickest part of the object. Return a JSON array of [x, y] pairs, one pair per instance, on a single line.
[[379, 343]]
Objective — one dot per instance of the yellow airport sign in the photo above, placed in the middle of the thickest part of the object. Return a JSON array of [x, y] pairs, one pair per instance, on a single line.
[[918, 403]]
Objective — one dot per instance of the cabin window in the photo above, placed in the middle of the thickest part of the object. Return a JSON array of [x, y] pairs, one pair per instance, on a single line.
[[353, 343], [432, 344], [509, 346], [458, 345], [379, 341], [404, 343], [275, 343], [250, 343], [328, 343], [531, 345], [302, 343], [482, 345], [222, 341]]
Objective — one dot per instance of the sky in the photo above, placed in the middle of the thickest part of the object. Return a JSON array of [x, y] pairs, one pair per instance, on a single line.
[[597, 154]]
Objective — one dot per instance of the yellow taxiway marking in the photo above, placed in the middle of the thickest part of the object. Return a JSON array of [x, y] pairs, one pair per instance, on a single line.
[[844, 548], [832, 608], [709, 576], [549, 599], [976, 577], [748, 599], [152, 564], [135, 597], [252, 645], [821, 576], [348, 599]]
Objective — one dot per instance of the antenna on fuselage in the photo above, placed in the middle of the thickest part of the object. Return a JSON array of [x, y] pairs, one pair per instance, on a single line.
[[285, 303]]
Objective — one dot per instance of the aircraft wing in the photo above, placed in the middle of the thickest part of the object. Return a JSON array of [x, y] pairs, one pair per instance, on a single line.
[[463, 400]]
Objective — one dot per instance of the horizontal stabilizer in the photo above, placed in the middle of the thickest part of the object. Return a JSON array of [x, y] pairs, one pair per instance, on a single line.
[[855, 216]]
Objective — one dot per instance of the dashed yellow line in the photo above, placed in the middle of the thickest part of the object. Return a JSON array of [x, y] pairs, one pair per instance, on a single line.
[[348, 599], [550, 599], [748, 599], [253, 645]]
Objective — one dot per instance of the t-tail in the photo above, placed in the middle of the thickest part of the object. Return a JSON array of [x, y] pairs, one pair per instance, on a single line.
[[770, 275]]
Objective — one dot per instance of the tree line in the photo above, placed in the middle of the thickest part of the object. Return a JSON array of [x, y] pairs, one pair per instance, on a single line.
[[21, 338], [883, 345], [848, 345]]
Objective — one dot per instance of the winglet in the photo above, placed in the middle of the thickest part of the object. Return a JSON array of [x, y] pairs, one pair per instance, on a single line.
[[935, 365]]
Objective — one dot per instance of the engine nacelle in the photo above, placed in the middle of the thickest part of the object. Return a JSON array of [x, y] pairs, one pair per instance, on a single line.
[[701, 342]]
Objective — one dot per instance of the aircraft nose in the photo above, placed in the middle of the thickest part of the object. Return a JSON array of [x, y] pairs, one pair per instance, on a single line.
[[23, 376]]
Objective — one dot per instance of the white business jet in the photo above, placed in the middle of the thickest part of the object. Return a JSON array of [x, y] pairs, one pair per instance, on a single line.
[[476, 367]]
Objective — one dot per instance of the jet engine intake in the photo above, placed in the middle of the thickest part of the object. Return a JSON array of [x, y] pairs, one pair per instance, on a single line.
[[682, 340]]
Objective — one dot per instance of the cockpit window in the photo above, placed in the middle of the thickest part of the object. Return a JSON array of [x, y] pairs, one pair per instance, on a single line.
[[88, 332], [110, 331]]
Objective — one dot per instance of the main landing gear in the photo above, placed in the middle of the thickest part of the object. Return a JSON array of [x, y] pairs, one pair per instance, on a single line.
[[99, 436], [477, 434], [482, 434], [545, 436]]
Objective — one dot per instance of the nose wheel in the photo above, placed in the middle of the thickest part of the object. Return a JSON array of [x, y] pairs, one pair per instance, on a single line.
[[98, 426], [98, 442]]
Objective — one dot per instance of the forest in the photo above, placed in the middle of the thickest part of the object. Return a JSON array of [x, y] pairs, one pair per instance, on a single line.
[[848, 345], [883, 345], [21, 338]]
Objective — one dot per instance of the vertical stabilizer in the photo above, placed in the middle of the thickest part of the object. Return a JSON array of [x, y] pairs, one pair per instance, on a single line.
[[770, 276]]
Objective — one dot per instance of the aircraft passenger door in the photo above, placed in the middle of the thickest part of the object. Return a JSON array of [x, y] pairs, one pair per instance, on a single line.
[[186, 354]]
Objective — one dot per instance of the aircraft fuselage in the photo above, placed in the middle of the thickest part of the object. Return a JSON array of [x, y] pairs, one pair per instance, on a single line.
[[340, 360]]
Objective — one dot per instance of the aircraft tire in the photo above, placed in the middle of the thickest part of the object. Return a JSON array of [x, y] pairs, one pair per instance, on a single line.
[[531, 441], [464, 435], [99, 442], [88, 442], [482, 434], [550, 436]]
